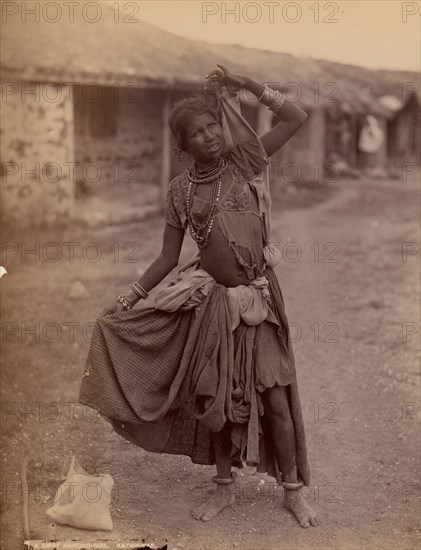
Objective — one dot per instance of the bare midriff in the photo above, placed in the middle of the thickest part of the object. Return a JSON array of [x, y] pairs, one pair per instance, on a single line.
[[218, 258]]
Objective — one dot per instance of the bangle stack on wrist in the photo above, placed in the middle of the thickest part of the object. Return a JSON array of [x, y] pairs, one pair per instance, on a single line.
[[136, 293], [274, 99], [139, 290], [122, 299]]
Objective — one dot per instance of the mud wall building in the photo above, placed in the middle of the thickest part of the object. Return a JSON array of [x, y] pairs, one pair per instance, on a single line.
[[37, 152]]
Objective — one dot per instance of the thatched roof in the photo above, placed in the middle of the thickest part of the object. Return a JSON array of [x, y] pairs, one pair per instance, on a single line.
[[107, 52]]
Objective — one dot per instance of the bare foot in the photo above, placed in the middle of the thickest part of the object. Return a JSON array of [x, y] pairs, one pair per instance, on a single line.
[[295, 503], [223, 497]]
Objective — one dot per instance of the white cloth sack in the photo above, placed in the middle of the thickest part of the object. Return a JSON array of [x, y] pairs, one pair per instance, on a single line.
[[83, 500]]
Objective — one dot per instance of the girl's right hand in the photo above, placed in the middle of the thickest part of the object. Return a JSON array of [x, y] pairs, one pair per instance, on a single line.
[[115, 307], [223, 77]]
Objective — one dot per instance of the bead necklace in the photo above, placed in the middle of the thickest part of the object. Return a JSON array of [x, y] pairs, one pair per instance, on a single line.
[[208, 167], [209, 174], [206, 226]]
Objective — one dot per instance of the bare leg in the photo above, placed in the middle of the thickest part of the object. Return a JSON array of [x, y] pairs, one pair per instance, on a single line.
[[276, 406], [224, 495]]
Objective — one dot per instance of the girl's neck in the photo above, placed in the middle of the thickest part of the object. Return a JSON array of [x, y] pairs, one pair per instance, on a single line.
[[203, 165]]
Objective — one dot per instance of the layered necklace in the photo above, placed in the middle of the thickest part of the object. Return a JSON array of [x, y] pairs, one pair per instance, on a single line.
[[211, 174]]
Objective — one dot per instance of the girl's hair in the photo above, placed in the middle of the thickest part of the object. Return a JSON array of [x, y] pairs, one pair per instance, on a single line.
[[183, 111]]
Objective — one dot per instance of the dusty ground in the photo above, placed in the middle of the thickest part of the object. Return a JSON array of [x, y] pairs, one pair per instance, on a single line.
[[349, 297]]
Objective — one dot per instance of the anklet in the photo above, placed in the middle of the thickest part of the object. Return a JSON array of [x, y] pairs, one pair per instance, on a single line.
[[292, 486], [224, 480]]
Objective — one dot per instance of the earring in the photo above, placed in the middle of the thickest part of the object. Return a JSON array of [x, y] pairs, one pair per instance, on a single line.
[[178, 151]]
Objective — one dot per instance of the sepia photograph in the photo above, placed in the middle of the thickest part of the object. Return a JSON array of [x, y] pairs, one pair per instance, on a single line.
[[210, 274]]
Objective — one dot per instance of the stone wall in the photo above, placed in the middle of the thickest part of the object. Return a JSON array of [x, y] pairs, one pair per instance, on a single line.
[[37, 152]]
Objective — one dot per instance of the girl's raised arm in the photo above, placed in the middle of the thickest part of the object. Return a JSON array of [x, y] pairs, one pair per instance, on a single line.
[[291, 117]]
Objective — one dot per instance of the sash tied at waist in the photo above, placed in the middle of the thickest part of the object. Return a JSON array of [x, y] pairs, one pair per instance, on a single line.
[[249, 303]]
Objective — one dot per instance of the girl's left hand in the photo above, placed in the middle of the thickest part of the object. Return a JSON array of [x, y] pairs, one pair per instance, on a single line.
[[115, 307], [223, 77]]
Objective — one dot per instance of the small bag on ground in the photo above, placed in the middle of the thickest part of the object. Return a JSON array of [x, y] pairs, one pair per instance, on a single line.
[[83, 500]]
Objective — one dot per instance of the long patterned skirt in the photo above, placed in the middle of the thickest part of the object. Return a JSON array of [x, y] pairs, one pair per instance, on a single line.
[[167, 380]]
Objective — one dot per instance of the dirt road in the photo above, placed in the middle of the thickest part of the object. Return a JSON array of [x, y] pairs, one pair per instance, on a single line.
[[350, 278]]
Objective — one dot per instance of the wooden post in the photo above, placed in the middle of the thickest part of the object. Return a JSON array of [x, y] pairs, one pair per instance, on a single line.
[[166, 147]]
